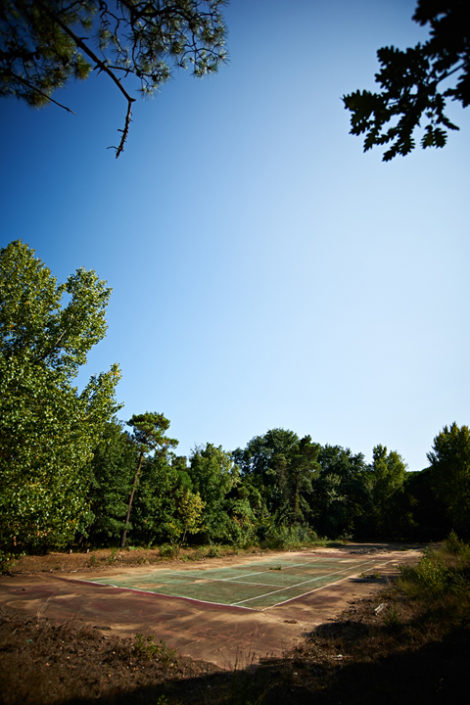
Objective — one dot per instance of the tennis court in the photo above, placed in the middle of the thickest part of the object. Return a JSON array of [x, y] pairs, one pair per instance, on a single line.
[[253, 586]]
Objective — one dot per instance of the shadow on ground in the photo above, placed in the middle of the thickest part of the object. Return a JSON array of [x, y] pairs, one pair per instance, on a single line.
[[353, 660], [435, 673]]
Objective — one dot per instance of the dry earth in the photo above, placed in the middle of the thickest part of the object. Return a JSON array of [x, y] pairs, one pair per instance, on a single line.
[[53, 588]]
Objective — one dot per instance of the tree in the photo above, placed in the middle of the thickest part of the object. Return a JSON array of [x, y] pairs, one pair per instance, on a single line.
[[385, 478], [48, 430], [338, 491], [45, 43], [263, 462], [112, 468], [213, 474], [422, 516], [414, 83], [188, 513], [450, 475], [162, 482], [281, 466], [148, 430]]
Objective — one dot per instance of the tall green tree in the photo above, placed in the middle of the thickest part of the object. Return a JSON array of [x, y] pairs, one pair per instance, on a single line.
[[421, 514], [385, 479], [416, 83], [133, 43], [163, 482], [264, 462], [338, 493], [148, 435], [213, 475], [48, 429], [281, 466], [112, 467], [450, 475]]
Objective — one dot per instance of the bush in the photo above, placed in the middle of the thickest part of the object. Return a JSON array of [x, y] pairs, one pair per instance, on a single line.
[[288, 537], [427, 579], [168, 550], [145, 647], [456, 546], [213, 552], [7, 561]]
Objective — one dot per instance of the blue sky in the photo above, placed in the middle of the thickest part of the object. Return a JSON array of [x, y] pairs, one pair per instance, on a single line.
[[265, 272]]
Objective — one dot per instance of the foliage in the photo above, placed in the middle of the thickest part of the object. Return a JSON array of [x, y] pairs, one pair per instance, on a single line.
[[213, 476], [114, 461], [35, 325], [7, 561], [288, 537], [168, 550], [384, 480], [414, 84], [189, 513], [440, 581], [282, 468], [48, 430], [132, 42], [154, 511], [240, 527], [148, 430], [392, 619], [421, 513], [428, 579], [146, 647], [457, 547], [338, 493], [450, 475]]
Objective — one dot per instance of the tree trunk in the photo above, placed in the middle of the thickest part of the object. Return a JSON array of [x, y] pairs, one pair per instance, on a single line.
[[131, 499]]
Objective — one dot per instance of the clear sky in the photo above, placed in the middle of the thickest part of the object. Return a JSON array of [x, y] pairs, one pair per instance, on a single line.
[[265, 272]]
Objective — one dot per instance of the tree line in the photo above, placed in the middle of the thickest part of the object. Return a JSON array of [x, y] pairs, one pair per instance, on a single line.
[[72, 473]]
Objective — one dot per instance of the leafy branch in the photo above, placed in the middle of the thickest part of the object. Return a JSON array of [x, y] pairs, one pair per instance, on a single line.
[[44, 44], [413, 84]]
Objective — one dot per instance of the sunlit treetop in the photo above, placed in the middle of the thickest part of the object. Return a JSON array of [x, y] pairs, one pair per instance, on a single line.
[[134, 43]]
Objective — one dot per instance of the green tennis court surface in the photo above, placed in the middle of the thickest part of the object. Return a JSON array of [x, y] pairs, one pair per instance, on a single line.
[[258, 585]]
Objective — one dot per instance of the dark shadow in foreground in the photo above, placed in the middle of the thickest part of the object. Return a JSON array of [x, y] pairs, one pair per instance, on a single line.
[[435, 673]]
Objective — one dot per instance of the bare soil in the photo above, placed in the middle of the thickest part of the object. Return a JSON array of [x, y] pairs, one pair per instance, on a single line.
[[362, 647], [226, 636]]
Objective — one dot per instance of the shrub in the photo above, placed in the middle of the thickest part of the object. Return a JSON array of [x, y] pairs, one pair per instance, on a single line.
[[168, 550], [7, 561], [392, 619], [427, 579], [456, 546], [288, 537], [93, 560], [146, 647], [213, 551]]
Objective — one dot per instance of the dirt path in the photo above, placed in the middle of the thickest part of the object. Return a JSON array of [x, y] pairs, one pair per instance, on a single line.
[[221, 635]]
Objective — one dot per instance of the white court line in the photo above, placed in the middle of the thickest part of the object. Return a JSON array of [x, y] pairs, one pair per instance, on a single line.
[[158, 594], [269, 570], [232, 579], [238, 605], [238, 582], [235, 580], [304, 582], [321, 587]]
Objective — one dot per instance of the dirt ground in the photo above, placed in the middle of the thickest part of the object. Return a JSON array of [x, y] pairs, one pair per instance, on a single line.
[[53, 588], [382, 648]]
